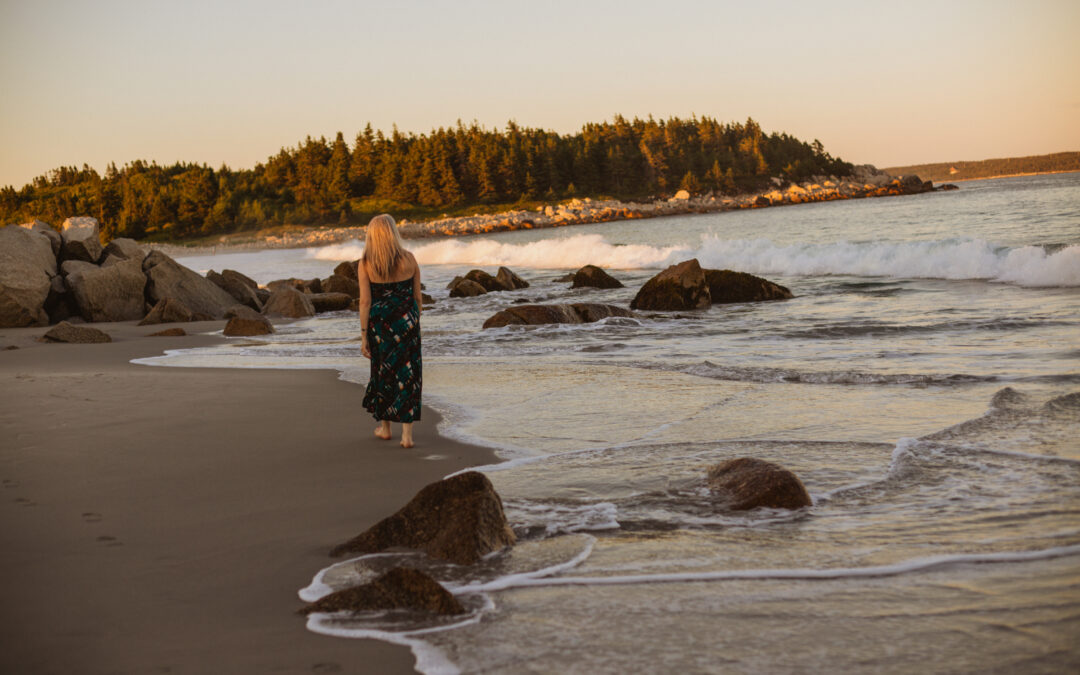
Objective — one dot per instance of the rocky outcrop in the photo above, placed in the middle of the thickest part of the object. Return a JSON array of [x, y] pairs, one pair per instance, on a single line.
[[167, 278], [289, 303], [488, 282], [122, 249], [579, 312], [329, 302], [27, 267], [459, 519], [49, 232], [168, 310], [592, 276], [465, 288], [340, 283], [110, 293], [506, 278], [244, 321], [747, 483], [400, 588], [81, 240], [726, 286], [678, 288], [279, 284], [241, 288], [65, 332], [348, 269]]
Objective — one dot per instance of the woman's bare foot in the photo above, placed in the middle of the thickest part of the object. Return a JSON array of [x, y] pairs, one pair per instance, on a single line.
[[406, 435], [383, 431], [406, 443]]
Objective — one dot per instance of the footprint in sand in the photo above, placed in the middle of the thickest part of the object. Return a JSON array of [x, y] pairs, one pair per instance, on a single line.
[[326, 667], [109, 541], [91, 517], [8, 483], [23, 501]]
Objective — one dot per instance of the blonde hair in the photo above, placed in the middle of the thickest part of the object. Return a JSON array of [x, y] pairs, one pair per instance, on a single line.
[[383, 250]]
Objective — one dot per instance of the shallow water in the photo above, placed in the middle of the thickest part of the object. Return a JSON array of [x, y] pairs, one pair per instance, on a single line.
[[923, 384]]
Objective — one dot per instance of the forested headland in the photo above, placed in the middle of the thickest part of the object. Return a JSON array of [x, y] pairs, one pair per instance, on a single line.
[[457, 169], [1057, 162]]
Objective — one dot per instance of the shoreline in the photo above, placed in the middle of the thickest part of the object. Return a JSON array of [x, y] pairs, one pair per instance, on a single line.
[[1014, 175], [165, 518]]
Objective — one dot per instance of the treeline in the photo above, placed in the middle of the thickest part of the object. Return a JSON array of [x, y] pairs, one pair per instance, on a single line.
[[333, 182], [988, 168]]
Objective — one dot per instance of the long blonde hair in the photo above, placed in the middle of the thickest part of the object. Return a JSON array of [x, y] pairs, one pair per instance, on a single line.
[[383, 249]]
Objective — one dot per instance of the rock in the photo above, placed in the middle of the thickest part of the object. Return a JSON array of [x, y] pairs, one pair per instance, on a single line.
[[459, 519], [167, 278], [426, 299], [488, 282], [348, 269], [566, 278], [748, 483], [27, 267], [239, 287], [948, 186], [262, 294], [339, 283], [47, 231], [467, 288], [81, 240], [167, 310], [279, 284], [113, 293], [312, 286], [65, 332], [123, 249], [60, 304], [400, 588], [290, 303], [592, 276], [169, 332], [244, 321], [726, 286], [531, 315], [679, 287], [329, 302], [680, 196], [510, 281]]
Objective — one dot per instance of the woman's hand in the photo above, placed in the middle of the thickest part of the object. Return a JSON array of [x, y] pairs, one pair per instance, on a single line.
[[365, 348]]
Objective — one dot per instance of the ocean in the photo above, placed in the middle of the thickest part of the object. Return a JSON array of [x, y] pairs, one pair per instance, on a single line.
[[924, 383]]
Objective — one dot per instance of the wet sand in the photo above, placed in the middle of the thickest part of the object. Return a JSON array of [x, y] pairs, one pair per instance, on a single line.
[[161, 520]]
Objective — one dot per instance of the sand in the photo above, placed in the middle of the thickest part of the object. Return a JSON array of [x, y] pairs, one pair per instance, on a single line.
[[161, 520]]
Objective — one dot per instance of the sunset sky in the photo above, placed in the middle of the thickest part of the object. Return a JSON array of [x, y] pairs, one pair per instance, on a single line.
[[233, 81]]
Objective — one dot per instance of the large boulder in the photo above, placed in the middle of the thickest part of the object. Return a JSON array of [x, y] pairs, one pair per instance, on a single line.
[[65, 332], [166, 278], [592, 276], [530, 315], [278, 284], [47, 231], [27, 267], [400, 588], [81, 239], [244, 321], [459, 519], [726, 286], [348, 269], [168, 310], [747, 483], [510, 281], [122, 249], [339, 283], [679, 287], [113, 293], [289, 303], [237, 285], [466, 288], [329, 302]]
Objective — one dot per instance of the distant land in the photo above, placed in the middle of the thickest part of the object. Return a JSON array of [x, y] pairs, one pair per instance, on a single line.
[[1058, 162]]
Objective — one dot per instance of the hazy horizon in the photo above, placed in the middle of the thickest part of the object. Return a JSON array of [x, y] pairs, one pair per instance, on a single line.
[[233, 82]]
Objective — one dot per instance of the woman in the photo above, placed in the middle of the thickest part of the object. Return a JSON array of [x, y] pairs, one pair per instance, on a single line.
[[390, 320]]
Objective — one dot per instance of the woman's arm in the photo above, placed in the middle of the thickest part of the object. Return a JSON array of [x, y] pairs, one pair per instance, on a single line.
[[364, 306], [416, 285]]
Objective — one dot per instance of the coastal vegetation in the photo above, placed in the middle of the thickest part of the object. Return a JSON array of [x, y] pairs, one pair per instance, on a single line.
[[457, 170], [1058, 162]]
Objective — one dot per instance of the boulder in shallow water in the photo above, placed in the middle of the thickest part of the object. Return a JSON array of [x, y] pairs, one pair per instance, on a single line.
[[244, 321], [466, 288], [510, 281], [726, 286], [747, 483], [348, 269], [289, 303], [679, 287], [339, 283], [400, 588], [532, 315], [592, 276], [488, 282], [329, 302], [65, 332], [459, 519]]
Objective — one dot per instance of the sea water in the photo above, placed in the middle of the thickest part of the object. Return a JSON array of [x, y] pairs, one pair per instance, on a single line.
[[924, 383]]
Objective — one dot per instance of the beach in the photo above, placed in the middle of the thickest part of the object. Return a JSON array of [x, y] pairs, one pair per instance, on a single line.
[[161, 520]]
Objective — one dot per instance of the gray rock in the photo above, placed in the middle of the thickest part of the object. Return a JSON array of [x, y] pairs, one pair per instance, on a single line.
[[289, 303], [531, 315], [592, 276], [466, 288], [339, 283], [329, 302], [510, 281], [65, 332], [679, 287], [113, 293], [81, 239], [123, 249], [168, 310], [167, 278], [48, 231], [27, 266], [237, 286]]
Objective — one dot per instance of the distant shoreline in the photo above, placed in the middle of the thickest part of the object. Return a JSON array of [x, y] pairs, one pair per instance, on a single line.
[[1014, 175]]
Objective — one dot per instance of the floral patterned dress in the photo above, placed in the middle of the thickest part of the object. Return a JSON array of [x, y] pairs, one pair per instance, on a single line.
[[393, 391]]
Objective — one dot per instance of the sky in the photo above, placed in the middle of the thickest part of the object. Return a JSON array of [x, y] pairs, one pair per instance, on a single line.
[[233, 81]]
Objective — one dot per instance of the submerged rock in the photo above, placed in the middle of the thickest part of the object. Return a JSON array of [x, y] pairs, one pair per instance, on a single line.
[[679, 287], [592, 276], [747, 483], [530, 315], [459, 519], [400, 588], [726, 286]]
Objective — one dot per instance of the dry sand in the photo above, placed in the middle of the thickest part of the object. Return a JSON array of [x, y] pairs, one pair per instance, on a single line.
[[161, 520]]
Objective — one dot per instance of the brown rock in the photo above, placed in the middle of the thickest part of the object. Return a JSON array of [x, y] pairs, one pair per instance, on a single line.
[[426, 299], [278, 284], [27, 267], [489, 283], [112, 293], [726, 286], [47, 231], [510, 281], [241, 288], [400, 588], [679, 287], [592, 276], [337, 283], [169, 332], [459, 519], [65, 332], [329, 302], [312, 286], [167, 278], [467, 288], [348, 269], [290, 303], [81, 240], [530, 315], [245, 326], [168, 311], [747, 483], [124, 249]]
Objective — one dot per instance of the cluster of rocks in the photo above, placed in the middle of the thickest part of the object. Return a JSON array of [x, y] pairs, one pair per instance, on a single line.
[[479, 282], [460, 519]]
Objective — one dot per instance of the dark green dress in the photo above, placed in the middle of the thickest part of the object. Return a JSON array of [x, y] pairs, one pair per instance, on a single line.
[[393, 333]]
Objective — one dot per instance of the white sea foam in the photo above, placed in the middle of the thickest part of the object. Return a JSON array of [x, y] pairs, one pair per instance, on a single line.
[[429, 660], [939, 259]]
